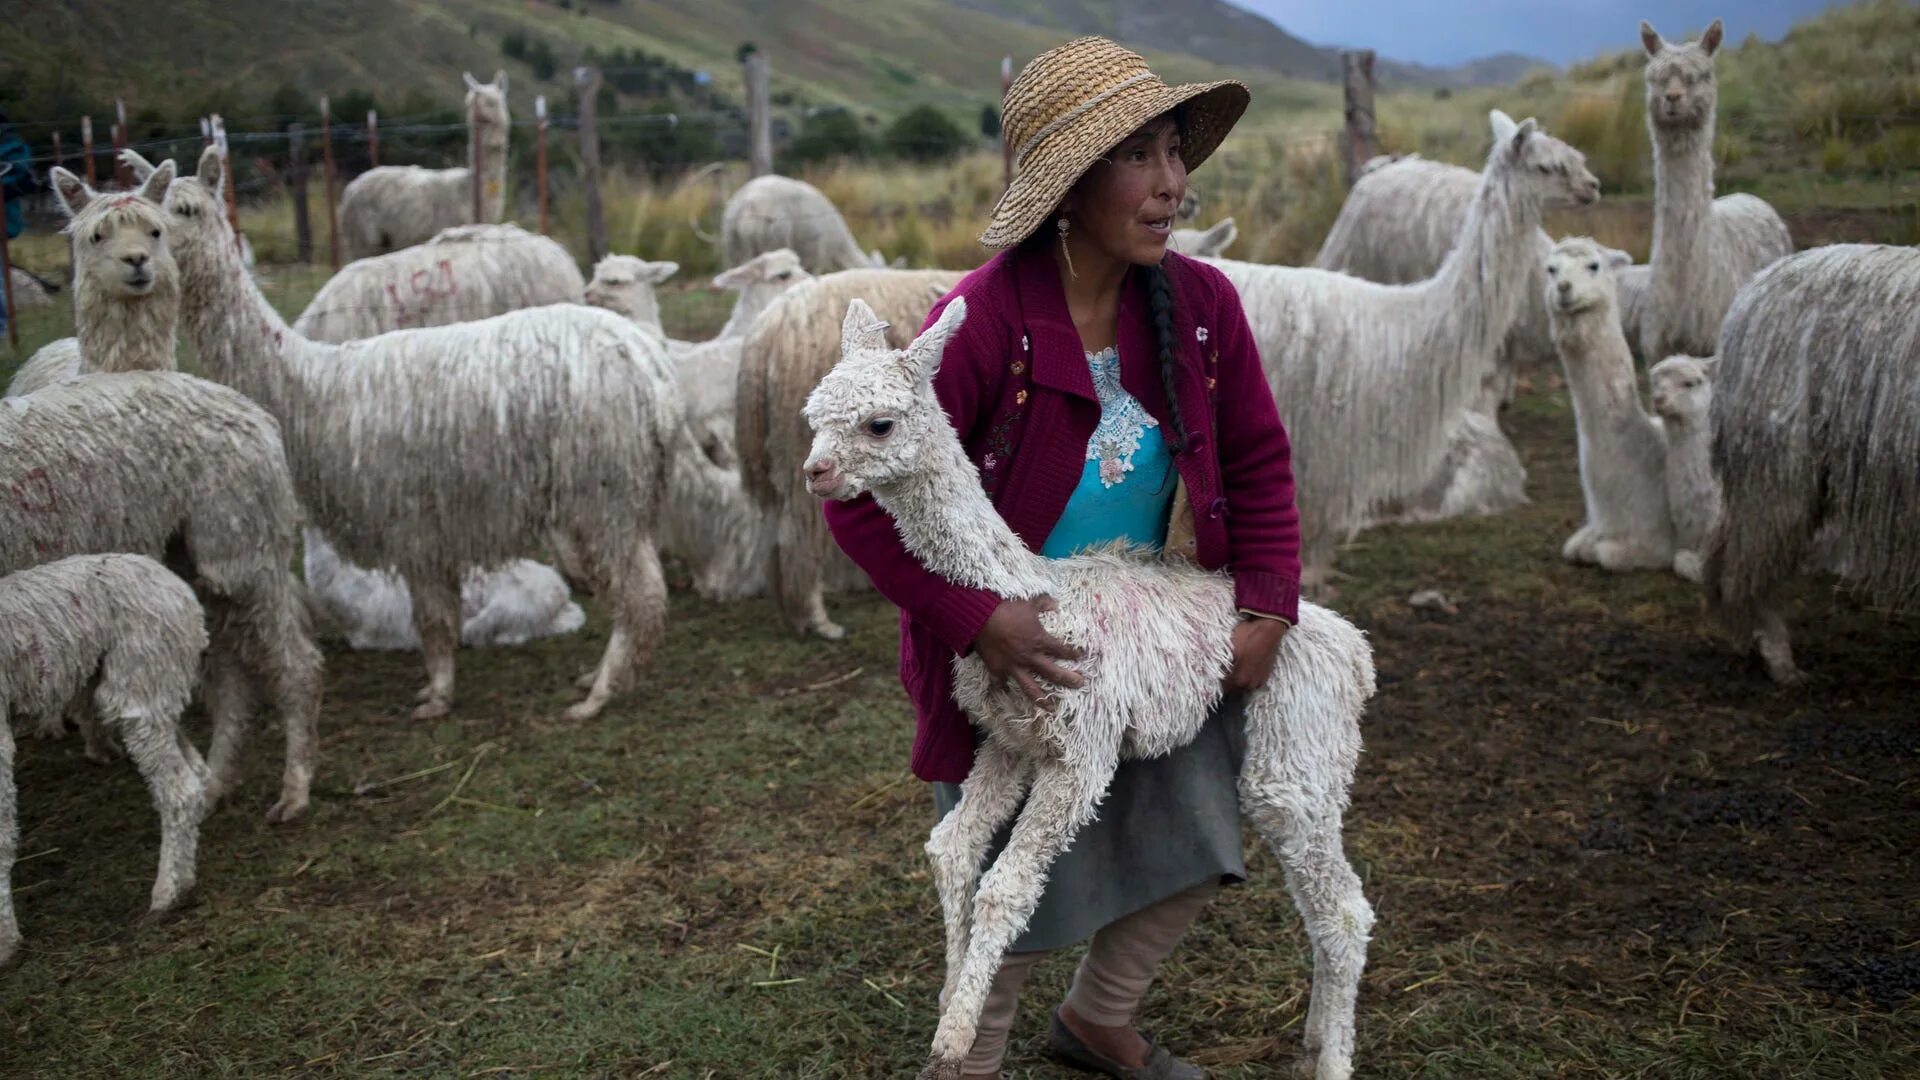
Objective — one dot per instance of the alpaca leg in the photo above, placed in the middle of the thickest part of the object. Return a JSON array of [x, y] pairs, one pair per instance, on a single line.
[[1689, 565], [639, 598], [960, 841], [1621, 555], [436, 616], [9, 840], [230, 696], [1776, 648], [1060, 803], [1579, 546], [289, 663], [178, 780], [797, 571], [99, 741]]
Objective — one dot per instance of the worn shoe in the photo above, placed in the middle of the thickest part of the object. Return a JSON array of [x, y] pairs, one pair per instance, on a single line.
[[1160, 1065]]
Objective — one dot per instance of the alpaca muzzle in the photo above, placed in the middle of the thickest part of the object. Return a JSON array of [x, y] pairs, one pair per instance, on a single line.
[[823, 478]]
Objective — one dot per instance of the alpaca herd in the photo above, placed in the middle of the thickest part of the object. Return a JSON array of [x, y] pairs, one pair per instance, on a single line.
[[460, 430]]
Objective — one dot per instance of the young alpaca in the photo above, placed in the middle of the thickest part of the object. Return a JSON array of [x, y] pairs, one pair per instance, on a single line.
[[124, 632], [396, 206], [1622, 450], [1386, 373], [126, 287], [1682, 388], [437, 450], [1704, 248], [623, 284], [1150, 685]]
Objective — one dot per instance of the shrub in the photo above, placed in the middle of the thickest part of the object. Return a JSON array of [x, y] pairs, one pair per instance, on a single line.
[[828, 134], [924, 133]]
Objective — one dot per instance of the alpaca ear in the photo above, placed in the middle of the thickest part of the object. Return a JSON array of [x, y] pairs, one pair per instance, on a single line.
[[927, 349], [472, 83], [1710, 41], [141, 167], [1616, 258], [1710, 366], [1503, 125], [154, 188], [876, 258], [1649, 40], [208, 171], [1222, 235], [654, 273], [73, 192], [862, 330]]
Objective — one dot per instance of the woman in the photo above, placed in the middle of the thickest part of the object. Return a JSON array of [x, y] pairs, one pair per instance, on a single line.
[[1098, 375]]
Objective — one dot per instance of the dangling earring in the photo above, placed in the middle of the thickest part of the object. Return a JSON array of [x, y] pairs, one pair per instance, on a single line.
[[1062, 226]]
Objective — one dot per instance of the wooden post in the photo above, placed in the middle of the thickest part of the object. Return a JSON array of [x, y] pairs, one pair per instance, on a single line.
[[1006, 148], [476, 159], [122, 172], [86, 146], [540, 156], [297, 184], [373, 139], [59, 155], [1357, 67], [6, 266], [759, 114], [326, 158], [587, 79]]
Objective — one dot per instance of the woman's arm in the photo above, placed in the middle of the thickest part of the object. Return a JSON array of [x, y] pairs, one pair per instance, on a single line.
[[1256, 472]]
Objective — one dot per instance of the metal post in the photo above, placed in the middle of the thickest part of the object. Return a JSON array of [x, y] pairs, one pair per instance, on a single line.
[[587, 79], [373, 139], [540, 156], [326, 157]]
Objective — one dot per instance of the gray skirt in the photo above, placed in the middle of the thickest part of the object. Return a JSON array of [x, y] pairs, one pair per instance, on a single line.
[[1166, 825]]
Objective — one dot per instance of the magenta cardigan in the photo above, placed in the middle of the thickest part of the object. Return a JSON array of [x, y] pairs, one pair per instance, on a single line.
[[1015, 384]]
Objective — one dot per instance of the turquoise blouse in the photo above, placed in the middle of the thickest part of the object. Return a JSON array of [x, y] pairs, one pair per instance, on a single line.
[[1126, 489]]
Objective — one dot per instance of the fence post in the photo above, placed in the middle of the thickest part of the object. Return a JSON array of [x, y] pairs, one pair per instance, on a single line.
[[59, 155], [587, 79], [1357, 68], [297, 184], [759, 114], [1006, 149], [476, 159], [326, 157], [122, 172], [226, 180], [6, 266], [86, 146], [373, 139], [540, 156]]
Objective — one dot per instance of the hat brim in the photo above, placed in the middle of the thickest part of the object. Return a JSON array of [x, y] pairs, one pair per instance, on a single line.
[[1052, 169]]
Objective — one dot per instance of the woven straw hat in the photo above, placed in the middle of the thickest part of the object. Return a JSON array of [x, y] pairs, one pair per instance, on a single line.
[[1072, 104]]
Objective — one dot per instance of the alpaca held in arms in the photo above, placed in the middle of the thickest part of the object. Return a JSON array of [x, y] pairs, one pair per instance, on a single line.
[[430, 452], [772, 212], [1816, 429], [396, 206], [1682, 391], [1149, 687], [1704, 248], [122, 631], [126, 287], [1623, 452], [1388, 374]]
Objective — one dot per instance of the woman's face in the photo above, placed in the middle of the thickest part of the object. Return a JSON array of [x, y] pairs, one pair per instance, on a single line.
[[1124, 205]]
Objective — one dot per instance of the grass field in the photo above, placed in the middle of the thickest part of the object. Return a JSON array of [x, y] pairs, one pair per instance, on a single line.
[[1600, 844]]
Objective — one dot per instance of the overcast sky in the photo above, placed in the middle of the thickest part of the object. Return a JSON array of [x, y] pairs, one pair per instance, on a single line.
[[1446, 32]]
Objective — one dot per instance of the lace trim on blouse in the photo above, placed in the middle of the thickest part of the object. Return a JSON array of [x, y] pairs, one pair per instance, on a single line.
[[1122, 419]]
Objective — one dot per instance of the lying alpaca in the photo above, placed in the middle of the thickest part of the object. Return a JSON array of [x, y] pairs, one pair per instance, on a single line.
[[1622, 450], [1682, 388], [123, 631], [1149, 687], [507, 605]]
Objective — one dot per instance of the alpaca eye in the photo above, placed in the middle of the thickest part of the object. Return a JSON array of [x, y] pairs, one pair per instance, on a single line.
[[1544, 170], [1553, 271], [155, 233], [783, 275], [880, 428], [1593, 267], [96, 237]]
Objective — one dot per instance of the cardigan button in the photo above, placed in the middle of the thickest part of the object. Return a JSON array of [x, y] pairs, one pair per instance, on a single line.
[[1217, 508]]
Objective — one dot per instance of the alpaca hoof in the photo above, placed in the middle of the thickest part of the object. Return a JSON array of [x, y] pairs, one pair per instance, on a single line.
[[9, 953], [586, 710], [830, 631], [432, 710], [586, 679], [168, 909], [289, 808], [424, 694], [942, 1069], [1787, 676]]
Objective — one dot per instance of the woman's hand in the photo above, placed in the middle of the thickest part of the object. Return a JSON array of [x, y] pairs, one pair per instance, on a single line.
[[1256, 643], [1014, 645]]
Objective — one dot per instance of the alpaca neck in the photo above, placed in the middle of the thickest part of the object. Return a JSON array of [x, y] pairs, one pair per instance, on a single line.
[[1599, 365], [753, 300], [1476, 296], [487, 157], [1682, 200], [127, 333], [945, 518], [241, 340]]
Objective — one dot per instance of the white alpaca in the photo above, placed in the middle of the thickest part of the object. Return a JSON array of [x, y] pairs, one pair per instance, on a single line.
[[396, 206], [1150, 685], [1375, 381], [624, 284], [464, 273], [1214, 240], [168, 466], [1816, 429], [126, 288], [1704, 248], [789, 348], [430, 452], [122, 631], [30, 292], [772, 212], [1682, 391], [1623, 451]]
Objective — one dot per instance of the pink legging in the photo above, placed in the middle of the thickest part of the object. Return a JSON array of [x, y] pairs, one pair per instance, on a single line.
[[1112, 978]]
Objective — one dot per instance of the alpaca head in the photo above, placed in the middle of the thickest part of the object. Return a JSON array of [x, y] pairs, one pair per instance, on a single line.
[[623, 284], [120, 240], [487, 102], [1580, 276], [199, 214], [874, 417], [762, 278], [1200, 243], [1552, 172], [1680, 91], [1682, 387]]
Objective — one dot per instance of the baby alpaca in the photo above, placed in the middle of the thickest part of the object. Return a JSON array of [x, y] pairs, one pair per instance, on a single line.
[[125, 630], [1682, 388], [1150, 685], [1622, 450]]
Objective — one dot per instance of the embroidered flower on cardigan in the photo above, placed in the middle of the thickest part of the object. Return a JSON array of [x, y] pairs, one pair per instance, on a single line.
[[1122, 419], [1200, 334]]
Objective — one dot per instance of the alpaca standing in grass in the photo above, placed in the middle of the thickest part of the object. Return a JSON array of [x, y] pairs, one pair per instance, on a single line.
[[395, 206], [1381, 378], [1704, 248], [123, 632], [624, 284], [1682, 391], [1816, 429], [126, 288], [172, 467], [787, 351], [430, 452], [773, 212], [1623, 452], [1149, 686], [1214, 240]]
